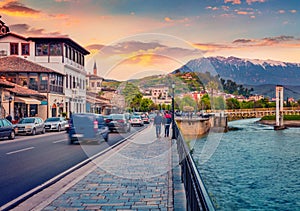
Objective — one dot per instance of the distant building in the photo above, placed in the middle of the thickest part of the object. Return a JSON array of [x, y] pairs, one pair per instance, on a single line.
[[158, 94]]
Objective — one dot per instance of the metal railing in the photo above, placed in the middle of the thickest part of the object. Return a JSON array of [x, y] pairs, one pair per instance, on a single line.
[[196, 194]]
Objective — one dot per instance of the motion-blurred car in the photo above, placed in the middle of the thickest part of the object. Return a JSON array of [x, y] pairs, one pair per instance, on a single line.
[[31, 125], [56, 124], [118, 122], [84, 127], [7, 129], [136, 120], [103, 126]]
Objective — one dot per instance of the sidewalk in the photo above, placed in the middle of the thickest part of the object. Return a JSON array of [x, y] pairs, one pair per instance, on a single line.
[[139, 174]]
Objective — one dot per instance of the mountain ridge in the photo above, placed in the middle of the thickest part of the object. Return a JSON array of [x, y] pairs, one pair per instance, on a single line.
[[246, 71]]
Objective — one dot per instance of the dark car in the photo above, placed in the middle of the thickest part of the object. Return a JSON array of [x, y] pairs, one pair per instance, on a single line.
[[103, 126], [118, 122], [84, 127], [7, 129]]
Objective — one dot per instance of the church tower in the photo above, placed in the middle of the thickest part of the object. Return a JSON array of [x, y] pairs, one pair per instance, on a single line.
[[95, 68]]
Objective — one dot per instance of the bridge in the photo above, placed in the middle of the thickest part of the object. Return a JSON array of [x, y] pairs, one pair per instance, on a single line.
[[258, 112]]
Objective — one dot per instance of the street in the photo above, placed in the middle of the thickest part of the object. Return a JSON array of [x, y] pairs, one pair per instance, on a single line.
[[29, 161]]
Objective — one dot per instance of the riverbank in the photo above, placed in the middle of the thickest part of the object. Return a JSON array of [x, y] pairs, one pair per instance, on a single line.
[[287, 123]]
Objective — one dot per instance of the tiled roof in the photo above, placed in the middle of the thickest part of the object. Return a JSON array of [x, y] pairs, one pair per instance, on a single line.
[[17, 64], [20, 90]]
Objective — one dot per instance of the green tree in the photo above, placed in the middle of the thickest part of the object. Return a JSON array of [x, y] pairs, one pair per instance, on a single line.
[[232, 103], [145, 104], [205, 102], [136, 102], [219, 103]]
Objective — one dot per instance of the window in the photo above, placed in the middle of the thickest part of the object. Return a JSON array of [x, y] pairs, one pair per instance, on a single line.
[[70, 82], [67, 81], [25, 48], [44, 78], [41, 49], [93, 84], [66, 53], [98, 84], [14, 49], [74, 83], [33, 81], [23, 79], [55, 49]]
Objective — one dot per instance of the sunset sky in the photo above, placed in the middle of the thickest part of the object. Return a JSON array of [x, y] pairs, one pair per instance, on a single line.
[[135, 38]]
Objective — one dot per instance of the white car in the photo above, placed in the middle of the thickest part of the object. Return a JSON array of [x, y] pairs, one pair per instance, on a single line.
[[31, 125], [136, 120], [56, 124]]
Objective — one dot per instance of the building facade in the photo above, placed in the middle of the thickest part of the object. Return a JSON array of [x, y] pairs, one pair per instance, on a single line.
[[59, 54]]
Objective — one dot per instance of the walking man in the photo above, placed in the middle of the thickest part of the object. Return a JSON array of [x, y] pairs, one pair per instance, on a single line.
[[158, 120], [167, 123]]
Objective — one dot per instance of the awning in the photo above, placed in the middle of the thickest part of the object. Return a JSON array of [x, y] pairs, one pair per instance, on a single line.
[[27, 100]]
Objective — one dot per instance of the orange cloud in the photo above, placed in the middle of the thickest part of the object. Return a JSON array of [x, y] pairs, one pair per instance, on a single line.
[[15, 8], [252, 1], [167, 19], [233, 1]]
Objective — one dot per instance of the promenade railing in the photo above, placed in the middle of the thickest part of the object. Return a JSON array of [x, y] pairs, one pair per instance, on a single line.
[[196, 194]]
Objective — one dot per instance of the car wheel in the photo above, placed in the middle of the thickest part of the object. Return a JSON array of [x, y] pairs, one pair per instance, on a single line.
[[58, 128], [33, 132], [12, 135], [70, 142], [106, 138], [43, 131]]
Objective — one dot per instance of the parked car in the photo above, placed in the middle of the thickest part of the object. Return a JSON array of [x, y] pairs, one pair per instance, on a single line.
[[118, 122], [56, 124], [136, 120], [31, 125], [145, 118], [7, 129], [84, 127]]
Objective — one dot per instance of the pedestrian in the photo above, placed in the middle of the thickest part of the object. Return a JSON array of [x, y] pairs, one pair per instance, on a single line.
[[9, 118], [158, 121], [167, 123]]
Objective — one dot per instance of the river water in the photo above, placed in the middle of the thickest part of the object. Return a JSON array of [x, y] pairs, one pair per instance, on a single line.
[[253, 168]]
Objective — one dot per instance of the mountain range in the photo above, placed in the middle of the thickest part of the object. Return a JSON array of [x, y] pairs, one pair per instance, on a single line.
[[246, 71]]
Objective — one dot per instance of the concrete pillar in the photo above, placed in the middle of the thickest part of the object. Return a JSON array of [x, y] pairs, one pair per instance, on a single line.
[[279, 108]]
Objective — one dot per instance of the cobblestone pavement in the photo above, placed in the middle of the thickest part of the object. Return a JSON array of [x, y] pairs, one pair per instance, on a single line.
[[141, 174]]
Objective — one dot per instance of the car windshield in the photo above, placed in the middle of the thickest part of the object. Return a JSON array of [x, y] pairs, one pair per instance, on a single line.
[[52, 120], [135, 117], [24, 121], [116, 116]]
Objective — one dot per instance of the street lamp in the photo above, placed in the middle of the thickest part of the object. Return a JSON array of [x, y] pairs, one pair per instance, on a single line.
[[173, 111], [9, 105]]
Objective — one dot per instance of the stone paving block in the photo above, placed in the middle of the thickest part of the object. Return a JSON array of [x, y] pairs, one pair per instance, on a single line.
[[134, 177]]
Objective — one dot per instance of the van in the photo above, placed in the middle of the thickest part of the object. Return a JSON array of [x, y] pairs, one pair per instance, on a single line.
[[84, 127]]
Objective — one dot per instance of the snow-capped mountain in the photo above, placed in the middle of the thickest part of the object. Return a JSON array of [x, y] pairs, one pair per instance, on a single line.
[[246, 71]]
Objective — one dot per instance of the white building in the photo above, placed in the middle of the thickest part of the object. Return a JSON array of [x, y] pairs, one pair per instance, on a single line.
[[61, 54]]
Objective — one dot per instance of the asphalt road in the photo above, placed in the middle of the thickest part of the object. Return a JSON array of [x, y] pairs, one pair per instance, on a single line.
[[29, 161]]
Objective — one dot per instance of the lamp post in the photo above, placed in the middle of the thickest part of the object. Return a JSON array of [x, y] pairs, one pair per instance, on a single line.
[[9, 105], [173, 111]]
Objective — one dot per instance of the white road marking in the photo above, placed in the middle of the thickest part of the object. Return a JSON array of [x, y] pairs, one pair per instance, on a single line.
[[54, 142], [21, 150]]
